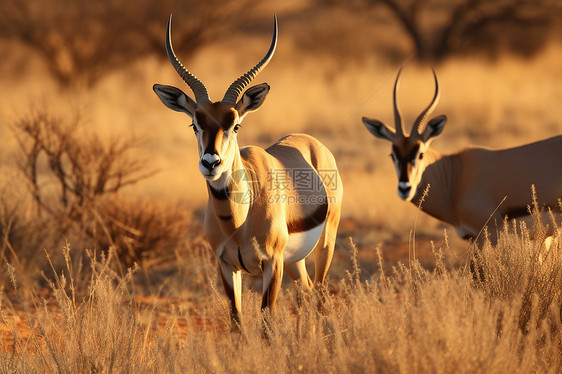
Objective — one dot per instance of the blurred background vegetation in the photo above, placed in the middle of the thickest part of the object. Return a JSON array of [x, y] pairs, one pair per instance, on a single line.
[[80, 43], [89, 153]]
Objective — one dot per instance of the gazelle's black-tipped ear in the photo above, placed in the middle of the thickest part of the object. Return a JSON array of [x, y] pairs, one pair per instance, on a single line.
[[434, 128], [379, 129], [252, 99], [175, 99]]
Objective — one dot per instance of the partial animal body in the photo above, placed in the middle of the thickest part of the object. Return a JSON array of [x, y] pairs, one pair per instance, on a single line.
[[284, 220], [467, 189], [500, 188], [268, 209]]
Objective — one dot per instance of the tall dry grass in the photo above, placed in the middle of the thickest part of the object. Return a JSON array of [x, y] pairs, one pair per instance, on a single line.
[[409, 320]]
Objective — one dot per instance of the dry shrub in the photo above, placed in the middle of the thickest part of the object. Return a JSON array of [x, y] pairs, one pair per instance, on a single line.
[[81, 42], [75, 180], [23, 234], [440, 29], [142, 229], [81, 164]]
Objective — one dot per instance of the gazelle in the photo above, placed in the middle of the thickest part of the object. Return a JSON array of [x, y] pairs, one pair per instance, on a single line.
[[467, 188], [268, 209]]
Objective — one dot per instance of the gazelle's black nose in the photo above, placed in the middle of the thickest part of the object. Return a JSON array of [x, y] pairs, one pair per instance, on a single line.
[[404, 190], [210, 165]]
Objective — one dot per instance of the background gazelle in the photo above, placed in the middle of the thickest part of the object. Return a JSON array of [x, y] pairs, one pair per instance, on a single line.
[[466, 188], [267, 209]]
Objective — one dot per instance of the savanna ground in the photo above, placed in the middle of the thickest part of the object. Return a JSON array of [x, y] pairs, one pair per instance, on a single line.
[[104, 263]]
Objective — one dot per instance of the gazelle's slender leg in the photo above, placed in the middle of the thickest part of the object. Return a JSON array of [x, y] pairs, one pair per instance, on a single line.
[[232, 282], [272, 277], [324, 250], [298, 272]]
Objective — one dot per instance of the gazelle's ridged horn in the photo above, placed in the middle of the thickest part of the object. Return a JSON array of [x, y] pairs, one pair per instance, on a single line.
[[421, 121], [198, 88], [238, 86], [398, 122]]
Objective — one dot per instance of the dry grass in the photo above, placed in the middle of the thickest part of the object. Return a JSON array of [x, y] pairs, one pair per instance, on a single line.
[[73, 185], [410, 320]]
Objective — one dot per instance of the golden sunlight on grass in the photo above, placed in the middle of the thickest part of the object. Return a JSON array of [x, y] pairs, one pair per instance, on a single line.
[[408, 320]]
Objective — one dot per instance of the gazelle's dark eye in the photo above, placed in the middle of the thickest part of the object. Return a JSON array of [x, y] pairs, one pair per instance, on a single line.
[[420, 156], [236, 128], [194, 128]]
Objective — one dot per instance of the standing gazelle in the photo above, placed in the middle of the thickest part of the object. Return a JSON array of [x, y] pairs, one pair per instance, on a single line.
[[267, 209], [467, 187]]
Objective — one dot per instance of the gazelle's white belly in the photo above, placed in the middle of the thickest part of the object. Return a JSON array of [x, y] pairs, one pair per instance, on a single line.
[[299, 245]]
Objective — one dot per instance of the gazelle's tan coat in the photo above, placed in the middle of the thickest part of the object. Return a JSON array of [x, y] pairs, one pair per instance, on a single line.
[[467, 188], [268, 209]]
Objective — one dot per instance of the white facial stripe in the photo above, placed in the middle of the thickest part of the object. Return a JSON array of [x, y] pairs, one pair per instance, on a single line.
[[200, 144], [198, 134], [395, 159], [404, 185]]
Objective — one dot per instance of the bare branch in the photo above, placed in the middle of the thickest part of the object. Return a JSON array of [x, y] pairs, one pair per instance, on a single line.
[[82, 41], [439, 29]]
